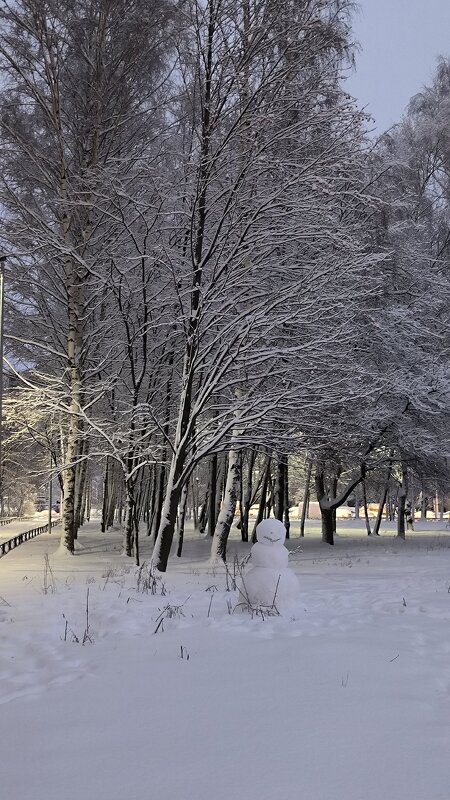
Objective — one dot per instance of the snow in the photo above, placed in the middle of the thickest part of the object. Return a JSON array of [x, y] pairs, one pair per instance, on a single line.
[[271, 532], [269, 582], [345, 698], [264, 555]]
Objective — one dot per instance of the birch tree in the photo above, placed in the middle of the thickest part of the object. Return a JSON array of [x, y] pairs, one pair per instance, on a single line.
[[273, 148], [79, 78]]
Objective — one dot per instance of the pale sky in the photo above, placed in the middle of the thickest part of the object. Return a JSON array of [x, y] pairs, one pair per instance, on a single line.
[[400, 41]]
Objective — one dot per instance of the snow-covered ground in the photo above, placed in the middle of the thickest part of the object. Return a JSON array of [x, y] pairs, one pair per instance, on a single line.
[[345, 697], [8, 531]]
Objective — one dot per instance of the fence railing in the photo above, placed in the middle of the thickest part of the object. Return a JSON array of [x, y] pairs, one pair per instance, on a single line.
[[8, 520], [20, 538]]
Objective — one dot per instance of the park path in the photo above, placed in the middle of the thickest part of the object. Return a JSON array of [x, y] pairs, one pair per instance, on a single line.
[[13, 528]]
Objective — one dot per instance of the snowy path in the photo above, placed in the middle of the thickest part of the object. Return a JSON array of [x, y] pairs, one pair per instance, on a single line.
[[8, 531], [345, 698], [12, 529]]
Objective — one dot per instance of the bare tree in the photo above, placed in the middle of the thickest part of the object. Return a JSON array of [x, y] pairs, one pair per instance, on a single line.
[[79, 81]]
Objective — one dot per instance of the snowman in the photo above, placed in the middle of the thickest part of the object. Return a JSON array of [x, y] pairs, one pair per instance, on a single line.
[[270, 581]]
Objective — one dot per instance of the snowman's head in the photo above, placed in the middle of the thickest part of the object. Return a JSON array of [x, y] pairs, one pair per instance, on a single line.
[[271, 532]]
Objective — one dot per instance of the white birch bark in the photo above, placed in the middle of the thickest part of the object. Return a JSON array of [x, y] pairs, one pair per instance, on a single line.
[[227, 512]]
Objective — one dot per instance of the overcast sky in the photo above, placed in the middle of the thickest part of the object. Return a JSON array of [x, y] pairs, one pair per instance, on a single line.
[[400, 41]]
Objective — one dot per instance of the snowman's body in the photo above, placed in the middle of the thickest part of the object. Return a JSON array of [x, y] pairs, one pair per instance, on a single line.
[[270, 581]]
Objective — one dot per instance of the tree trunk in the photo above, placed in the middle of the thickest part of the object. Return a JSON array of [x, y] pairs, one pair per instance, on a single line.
[[424, 504], [328, 525], [412, 495], [247, 496], [186, 418], [221, 479], [329, 500], [379, 517], [129, 519], [120, 504], [401, 503], [376, 528], [163, 544], [69, 509], [262, 502], [366, 508], [151, 501], [105, 496], [306, 496], [279, 493], [286, 520], [356, 504], [269, 495], [182, 517], [112, 496], [212, 494], [227, 512], [158, 509], [326, 512], [88, 500], [81, 487], [194, 489], [69, 475]]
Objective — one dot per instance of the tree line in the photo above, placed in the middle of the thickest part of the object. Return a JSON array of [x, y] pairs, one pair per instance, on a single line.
[[216, 279]]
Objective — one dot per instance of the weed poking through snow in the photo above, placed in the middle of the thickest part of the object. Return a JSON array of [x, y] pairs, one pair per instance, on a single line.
[[49, 583], [169, 612], [69, 633], [148, 581], [260, 610]]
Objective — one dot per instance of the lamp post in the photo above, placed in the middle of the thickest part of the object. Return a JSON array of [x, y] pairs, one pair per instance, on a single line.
[[2, 303]]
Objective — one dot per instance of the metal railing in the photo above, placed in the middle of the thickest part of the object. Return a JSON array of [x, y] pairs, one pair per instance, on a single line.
[[20, 538], [8, 520]]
